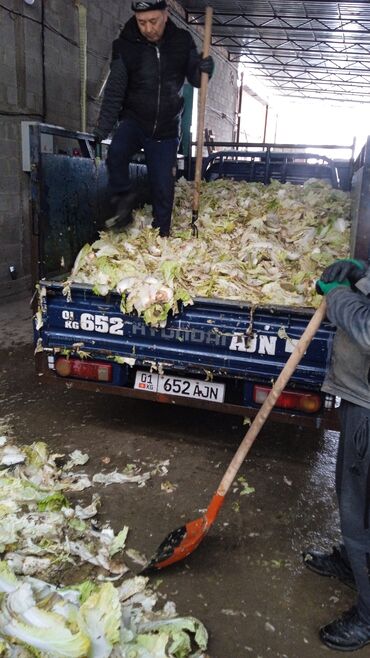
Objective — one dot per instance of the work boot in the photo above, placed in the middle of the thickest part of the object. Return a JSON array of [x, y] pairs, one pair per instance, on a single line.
[[163, 232], [123, 205], [347, 633], [329, 564]]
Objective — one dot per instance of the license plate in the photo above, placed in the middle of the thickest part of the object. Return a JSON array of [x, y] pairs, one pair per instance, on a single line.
[[187, 388]]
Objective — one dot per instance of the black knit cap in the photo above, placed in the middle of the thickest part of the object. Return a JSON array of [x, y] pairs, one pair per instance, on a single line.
[[148, 5]]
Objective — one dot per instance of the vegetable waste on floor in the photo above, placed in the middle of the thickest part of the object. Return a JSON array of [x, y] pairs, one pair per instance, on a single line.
[[42, 533]]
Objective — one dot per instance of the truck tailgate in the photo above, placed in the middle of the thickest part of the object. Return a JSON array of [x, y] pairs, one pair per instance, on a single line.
[[225, 338]]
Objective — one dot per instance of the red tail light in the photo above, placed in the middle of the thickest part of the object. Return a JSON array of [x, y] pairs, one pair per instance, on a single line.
[[94, 370], [293, 400]]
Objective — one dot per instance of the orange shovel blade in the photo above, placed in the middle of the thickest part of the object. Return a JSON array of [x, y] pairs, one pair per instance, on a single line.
[[184, 540]]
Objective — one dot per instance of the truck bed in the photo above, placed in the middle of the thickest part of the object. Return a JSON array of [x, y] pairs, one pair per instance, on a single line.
[[219, 354]]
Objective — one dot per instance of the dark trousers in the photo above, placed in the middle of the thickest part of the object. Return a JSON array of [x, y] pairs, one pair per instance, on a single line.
[[353, 492], [160, 155]]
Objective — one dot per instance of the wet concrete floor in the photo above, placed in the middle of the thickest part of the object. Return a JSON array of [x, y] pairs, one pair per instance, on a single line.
[[246, 581]]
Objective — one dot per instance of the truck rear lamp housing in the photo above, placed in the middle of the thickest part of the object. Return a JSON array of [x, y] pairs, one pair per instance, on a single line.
[[92, 370], [290, 400]]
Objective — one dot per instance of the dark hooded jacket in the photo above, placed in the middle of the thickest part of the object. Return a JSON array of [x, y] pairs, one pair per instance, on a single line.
[[145, 81]]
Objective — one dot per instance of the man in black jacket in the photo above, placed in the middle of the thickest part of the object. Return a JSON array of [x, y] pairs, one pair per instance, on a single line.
[[150, 61]]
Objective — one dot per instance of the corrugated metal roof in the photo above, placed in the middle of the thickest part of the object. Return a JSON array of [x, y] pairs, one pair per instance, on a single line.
[[310, 49]]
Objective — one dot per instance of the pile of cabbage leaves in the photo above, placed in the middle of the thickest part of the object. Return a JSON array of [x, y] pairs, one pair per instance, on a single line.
[[259, 244], [41, 533]]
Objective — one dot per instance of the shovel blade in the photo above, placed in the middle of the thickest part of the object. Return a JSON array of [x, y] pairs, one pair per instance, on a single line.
[[184, 540], [178, 544]]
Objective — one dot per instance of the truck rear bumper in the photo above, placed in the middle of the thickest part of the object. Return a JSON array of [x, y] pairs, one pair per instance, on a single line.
[[325, 419]]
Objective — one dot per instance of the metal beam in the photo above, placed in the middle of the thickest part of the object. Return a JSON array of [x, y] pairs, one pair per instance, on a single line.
[[283, 59], [325, 90], [298, 67], [315, 63], [332, 99], [295, 73], [295, 55], [284, 84], [193, 6], [343, 55], [363, 25], [282, 78], [230, 16], [317, 41], [321, 51]]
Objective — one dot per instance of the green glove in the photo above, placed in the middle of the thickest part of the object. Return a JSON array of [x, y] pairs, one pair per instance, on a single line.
[[346, 268], [323, 288]]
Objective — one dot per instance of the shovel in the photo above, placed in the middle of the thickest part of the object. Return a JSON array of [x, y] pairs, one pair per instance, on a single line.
[[200, 127], [184, 540]]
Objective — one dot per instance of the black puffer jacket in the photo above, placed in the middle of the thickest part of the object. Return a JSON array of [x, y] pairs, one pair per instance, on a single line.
[[145, 81]]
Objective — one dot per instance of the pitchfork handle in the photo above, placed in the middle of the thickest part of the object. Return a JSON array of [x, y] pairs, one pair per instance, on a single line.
[[201, 114]]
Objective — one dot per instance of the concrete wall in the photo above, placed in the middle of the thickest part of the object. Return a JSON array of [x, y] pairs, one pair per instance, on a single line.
[[40, 81]]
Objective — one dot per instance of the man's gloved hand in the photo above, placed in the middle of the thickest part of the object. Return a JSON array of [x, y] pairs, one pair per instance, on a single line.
[[99, 135], [207, 65], [322, 287], [347, 268]]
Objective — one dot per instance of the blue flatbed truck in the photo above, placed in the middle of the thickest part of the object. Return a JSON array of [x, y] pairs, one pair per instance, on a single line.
[[216, 354]]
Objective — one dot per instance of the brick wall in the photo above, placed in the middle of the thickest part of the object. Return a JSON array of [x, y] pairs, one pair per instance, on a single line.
[[47, 88]]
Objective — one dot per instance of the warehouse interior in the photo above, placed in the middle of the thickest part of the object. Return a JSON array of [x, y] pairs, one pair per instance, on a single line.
[[292, 61], [289, 92]]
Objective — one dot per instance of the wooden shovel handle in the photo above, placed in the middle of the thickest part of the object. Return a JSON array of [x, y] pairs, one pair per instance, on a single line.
[[201, 110], [270, 401]]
